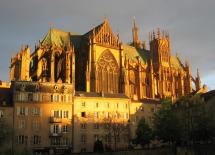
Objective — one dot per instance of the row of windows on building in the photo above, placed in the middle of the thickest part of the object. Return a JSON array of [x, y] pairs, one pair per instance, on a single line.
[[35, 125], [105, 114], [142, 109], [61, 113], [37, 111], [42, 97], [85, 125], [59, 128], [37, 140], [34, 140], [107, 138], [25, 111], [106, 105], [60, 141]]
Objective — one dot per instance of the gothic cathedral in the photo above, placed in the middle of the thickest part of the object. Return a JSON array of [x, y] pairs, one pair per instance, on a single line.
[[98, 61]]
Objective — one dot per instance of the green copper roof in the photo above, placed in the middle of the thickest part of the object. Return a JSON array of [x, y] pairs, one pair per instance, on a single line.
[[132, 53], [59, 38], [56, 37], [176, 63]]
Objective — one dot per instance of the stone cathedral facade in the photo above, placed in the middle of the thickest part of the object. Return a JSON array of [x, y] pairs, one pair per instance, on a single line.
[[64, 91], [98, 61]]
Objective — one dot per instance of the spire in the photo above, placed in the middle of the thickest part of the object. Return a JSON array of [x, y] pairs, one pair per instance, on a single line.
[[135, 33], [150, 36], [144, 44], [187, 63], [158, 33], [12, 54], [198, 81], [135, 22], [105, 19], [198, 73], [153, 33]]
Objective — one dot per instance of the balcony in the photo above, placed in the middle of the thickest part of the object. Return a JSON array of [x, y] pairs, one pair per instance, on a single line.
[[55, 134], [55, 120]]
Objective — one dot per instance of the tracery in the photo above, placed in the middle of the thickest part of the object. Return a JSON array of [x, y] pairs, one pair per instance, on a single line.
[[107, 73]]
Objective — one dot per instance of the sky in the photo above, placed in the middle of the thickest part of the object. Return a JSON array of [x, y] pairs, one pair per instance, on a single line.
[[190, 24]]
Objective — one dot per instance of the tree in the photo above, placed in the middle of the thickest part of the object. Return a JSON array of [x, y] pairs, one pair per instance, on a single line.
[[166, 124], [98, 146], [5, 131], [115, 129], [143, 133], [5, 136], [196, 121]]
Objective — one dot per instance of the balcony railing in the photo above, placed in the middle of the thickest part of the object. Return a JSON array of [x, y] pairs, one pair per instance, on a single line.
[[55, 134], [55, 120]]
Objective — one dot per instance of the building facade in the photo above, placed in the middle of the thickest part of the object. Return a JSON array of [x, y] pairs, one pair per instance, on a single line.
[[98, 62], [71, 90]]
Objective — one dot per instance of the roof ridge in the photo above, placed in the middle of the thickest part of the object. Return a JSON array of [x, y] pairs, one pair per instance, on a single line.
[[56, 36], [91, 30], [180, 62]]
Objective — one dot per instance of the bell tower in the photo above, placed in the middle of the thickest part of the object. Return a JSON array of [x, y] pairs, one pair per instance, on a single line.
[[160, 56], [160, 49]]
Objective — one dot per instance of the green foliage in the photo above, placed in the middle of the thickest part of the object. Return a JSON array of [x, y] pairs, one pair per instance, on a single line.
[[115, 129], [196, 123], [5, 131], [143, 133], [166, 124]]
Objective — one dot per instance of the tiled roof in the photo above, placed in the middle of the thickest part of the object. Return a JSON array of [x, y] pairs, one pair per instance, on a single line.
[[132, 53], [56, 37]]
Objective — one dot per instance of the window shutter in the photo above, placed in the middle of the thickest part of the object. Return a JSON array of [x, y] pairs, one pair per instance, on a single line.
[[33, 111], [40, 109], [32, 139], [18, 110], [60, 126], [20, 96], [69, 114], [52, 113], [26, 111], [52, 128]]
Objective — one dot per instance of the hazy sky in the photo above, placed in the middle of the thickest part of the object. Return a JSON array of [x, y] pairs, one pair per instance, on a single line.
[[191, 25]]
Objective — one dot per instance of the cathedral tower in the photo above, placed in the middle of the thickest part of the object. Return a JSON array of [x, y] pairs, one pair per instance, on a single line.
[[160, 49], [160, 56], [19, 69]]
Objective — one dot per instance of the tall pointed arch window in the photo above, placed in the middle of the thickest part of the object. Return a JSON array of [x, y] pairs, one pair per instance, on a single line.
[[44, 67], [107, 73]]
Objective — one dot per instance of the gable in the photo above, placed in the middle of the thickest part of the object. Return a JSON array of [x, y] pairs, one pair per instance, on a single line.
[[104, 35]]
